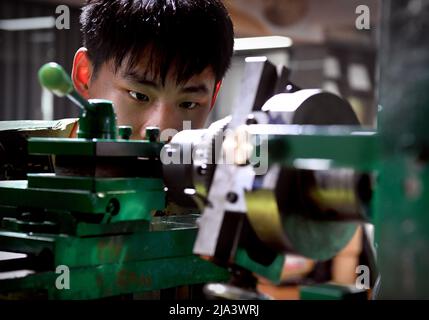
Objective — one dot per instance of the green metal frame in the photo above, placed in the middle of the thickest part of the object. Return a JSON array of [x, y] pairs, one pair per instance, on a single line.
[[115, 265]]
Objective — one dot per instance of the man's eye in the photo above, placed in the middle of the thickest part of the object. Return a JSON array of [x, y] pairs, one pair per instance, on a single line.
[[139, 96], [188, 105]]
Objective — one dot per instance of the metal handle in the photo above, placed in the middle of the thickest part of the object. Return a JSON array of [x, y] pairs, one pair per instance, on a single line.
[[54, 78]]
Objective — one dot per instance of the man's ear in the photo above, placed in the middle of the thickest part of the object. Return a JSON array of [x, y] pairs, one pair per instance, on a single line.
[[216, 91], [81, 72]]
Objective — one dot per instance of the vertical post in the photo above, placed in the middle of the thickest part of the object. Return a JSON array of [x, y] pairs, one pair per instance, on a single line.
[[402, 205]]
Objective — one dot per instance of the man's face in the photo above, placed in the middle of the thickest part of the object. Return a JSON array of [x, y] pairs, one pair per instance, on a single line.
[[141, 100]]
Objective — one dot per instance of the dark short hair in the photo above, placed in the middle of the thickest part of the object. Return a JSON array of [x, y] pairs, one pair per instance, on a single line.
[[191, 34]]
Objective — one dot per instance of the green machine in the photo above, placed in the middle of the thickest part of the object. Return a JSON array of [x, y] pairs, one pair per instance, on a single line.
[[97, 227]]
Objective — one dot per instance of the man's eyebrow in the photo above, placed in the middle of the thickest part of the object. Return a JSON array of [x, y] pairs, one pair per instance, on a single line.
[[202, 89], [141, 79]]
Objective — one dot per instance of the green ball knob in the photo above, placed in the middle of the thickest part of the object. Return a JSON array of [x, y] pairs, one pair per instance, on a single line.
[[54, 78]]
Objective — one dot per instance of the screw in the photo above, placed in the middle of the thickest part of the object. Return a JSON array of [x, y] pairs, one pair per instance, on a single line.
[[232, 197], [152, 134], [113, 207], [251, 119], [202, 170], [125, 132]]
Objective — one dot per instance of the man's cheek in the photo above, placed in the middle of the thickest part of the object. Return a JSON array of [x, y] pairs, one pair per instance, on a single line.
[[199, 118], [126, 119], [123, 111], [124, 116]]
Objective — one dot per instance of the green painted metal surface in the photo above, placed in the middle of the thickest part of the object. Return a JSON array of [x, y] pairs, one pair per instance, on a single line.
[[51, 181], [402, 228], [116, 279], [23, 243], [93, 147], [124, 248], [271, 272], [133, 204], [402, 203], [344, 147], [113, 265]]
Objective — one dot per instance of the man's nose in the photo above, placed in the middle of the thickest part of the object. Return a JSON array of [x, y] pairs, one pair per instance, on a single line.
[[158, 116]]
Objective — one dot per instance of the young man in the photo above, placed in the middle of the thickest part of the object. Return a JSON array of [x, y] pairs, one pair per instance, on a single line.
[[161, 62]]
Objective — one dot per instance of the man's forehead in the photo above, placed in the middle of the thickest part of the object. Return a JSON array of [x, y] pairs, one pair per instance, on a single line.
[[154, 63], [143, 72]]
